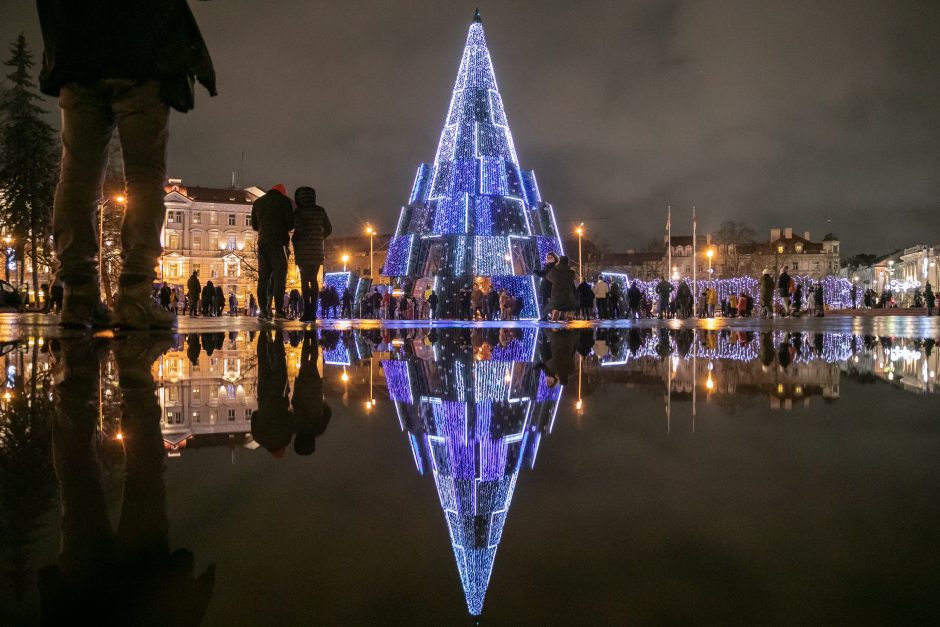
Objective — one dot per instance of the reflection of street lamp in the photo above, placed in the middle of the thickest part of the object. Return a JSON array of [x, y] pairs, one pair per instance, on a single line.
[[119, 199], [345, 261], [580, 232]]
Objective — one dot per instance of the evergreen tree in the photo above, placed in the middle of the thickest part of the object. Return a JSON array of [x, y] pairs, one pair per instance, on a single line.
[[28, 162]]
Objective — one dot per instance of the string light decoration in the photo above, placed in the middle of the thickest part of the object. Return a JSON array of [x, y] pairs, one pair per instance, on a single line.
[[471, 424], [474, 190]]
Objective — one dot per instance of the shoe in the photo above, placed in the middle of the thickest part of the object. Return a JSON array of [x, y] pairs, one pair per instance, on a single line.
[[82, 308], [136, 309], [280, 315]]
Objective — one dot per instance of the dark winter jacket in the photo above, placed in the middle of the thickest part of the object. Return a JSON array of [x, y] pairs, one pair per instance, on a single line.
[[272, 216], [545, 285], [766, 290], [311, 227], [193, 286], [85, 41], [562, 281]]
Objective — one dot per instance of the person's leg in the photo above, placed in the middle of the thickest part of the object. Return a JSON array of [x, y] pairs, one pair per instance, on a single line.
[[264, 282], [87, 125], [142, 121], [279, 276]]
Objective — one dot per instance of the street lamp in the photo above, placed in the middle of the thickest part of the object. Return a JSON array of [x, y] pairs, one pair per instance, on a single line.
[[710, 253], [119, 199], [580, 232], [345, 261], [371, 233]]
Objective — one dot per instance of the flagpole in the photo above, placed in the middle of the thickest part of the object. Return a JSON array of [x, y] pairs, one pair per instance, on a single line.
[[694, 265]]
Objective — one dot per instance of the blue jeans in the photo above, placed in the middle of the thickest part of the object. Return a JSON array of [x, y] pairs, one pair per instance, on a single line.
[[90, 113]]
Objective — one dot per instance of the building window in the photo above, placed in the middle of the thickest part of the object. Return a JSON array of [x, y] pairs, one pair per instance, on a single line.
[[230, 241], [231, 415], [780, 249], [174, 217], [197, 241], [213, 241], [231, 219], [213, 217], [231, 267], [197, 217], [174, 240], [247, 414], [798, 247], [197, 418], [247, 219], [197, 268], [197, 393]]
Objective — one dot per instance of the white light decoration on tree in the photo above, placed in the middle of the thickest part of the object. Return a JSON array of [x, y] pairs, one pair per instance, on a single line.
[[473, 196]]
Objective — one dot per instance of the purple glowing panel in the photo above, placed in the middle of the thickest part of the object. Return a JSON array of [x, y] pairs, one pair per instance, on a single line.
[[491, 256], [531, 187], [491, 381], [493, 176], [422, 184], [518, 348], [483, 215], [398, 380], [547, 245], [398, 258]]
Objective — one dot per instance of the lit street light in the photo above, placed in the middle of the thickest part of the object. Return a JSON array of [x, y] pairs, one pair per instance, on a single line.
[[345, 261], [580, 232], [710, 253], [371, 233]]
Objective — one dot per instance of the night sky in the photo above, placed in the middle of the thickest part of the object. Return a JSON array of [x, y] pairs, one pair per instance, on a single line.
[[822, 116]]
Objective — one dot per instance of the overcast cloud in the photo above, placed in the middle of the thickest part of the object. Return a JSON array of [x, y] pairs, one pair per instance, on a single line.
[[820, 115]]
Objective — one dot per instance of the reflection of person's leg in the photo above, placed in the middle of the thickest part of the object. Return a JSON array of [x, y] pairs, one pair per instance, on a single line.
[[87, 125], [86, 532], [143, 528]]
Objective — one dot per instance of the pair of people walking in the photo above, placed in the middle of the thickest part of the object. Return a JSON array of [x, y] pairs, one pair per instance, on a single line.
[[273, 216]]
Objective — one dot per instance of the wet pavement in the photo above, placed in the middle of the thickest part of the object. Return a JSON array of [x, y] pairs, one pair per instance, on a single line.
[[709, 472]]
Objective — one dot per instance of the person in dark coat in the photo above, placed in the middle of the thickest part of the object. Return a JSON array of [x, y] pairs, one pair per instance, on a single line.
[[634, 298], [311, 226], [347, 304], [219, 302], [121, 65], [272, 216], [664, 289], [193, 288], [311, 413], [930, 298], [208, 299], [766, 295], [585, 300], [819, 300], [545, 285], [563, 298], [432, 303], [165, 296]]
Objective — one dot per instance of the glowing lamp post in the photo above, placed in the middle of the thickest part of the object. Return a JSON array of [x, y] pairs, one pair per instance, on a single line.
[[710, 253], [580, 233], [345, 259], [371, 233]]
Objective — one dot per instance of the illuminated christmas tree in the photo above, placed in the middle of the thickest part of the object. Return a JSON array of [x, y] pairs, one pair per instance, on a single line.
[[474, 214], [473, 424]]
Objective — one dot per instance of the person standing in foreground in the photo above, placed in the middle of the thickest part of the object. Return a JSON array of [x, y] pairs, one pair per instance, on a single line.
[[783, 286], [311, 227], [766, 295], [116, 65], [272, 216]]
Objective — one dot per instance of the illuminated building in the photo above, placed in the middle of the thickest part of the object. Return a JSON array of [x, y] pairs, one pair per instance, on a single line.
[[472, 423], [474, 215]]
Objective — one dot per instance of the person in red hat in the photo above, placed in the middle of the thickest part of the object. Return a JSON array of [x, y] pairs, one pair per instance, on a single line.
[[272, 216]]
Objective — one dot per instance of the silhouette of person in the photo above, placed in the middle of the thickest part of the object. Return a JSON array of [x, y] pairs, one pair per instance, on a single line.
[[272, 422], [128, 576], [311, 413]]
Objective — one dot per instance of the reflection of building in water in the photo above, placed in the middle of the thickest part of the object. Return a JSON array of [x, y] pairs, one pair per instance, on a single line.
[[207, 390], [912, 365], [474, 413]]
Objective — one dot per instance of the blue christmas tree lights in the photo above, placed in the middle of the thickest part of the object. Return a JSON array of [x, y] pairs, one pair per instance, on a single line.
[[473, 197]]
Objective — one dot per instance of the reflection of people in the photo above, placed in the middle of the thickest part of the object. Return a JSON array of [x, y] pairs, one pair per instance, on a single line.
[[560, 365], [127, 577], [271, 423], [311, 414]]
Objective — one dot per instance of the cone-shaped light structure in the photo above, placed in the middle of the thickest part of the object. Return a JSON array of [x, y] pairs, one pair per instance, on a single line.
[[473, 215]]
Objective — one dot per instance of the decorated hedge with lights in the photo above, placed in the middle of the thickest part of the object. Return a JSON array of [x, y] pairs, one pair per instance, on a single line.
[[474, 212]]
